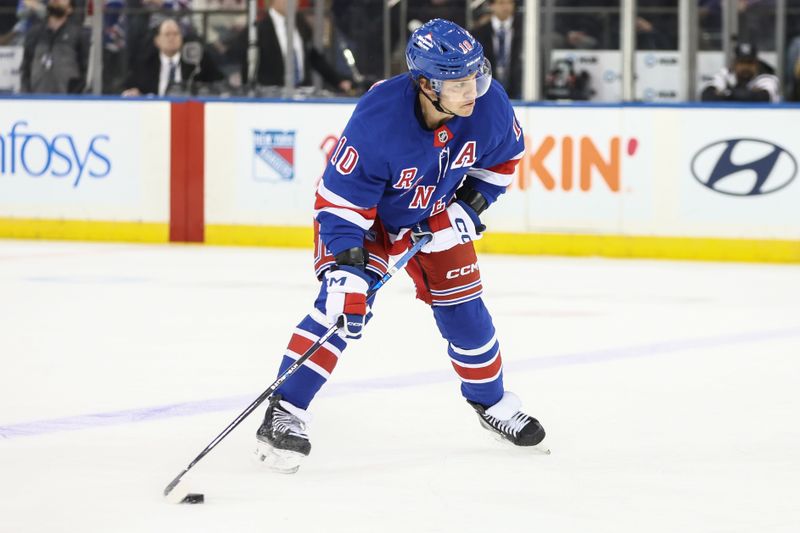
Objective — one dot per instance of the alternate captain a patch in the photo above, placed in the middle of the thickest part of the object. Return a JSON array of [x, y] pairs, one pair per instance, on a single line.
[[273, 155]]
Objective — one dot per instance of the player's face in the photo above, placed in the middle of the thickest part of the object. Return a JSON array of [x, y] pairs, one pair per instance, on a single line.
[[459, 96]]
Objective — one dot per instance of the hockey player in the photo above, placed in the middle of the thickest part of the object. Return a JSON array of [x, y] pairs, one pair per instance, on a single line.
[[423, 153]]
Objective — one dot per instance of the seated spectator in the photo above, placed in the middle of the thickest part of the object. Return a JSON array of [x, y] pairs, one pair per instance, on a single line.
[[272, 44], [501, 38], [749, 80], [142, 19], [56, 53], [163, 67]]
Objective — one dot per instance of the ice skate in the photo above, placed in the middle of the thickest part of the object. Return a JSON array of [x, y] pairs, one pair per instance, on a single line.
[[506, 421], [282, 441]]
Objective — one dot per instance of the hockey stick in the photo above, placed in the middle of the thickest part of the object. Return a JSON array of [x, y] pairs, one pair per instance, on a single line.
[[399, 264]]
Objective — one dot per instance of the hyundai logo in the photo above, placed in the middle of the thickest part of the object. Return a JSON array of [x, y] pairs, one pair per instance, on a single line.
[[744, 167]]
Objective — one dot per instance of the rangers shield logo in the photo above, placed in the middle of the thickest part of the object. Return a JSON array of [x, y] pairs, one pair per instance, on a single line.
[[273, 155]]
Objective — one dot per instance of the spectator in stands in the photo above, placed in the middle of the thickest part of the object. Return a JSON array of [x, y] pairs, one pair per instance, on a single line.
[[272, 45], [501, 38], [748, 80], [163, 67], [56, 53], [144, 17]]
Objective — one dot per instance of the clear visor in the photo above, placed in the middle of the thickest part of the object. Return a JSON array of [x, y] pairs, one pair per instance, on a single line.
[[465, 90]]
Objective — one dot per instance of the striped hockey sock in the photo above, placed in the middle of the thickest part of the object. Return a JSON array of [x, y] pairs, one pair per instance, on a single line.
[[310, 378], [481, 371]]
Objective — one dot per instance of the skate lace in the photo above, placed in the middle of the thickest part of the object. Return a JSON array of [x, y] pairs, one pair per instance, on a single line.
[[285, 422], [513, 425]]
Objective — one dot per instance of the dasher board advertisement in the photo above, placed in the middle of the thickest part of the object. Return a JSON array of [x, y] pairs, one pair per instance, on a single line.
[[85, 160], [263, 160]]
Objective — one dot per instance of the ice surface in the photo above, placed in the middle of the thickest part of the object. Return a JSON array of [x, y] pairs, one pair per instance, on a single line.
[[669, 391]]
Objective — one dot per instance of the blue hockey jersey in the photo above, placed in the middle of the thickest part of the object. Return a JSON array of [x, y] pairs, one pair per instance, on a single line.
[[390, 166]]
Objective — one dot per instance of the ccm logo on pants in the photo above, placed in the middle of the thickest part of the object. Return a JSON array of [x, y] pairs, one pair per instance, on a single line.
[[463, 271]]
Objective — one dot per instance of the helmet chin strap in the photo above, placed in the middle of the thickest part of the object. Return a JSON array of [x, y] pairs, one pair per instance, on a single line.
[[437, 104]]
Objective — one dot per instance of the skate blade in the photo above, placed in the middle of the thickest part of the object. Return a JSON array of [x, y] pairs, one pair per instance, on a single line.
[[538, 449], [280, 461]]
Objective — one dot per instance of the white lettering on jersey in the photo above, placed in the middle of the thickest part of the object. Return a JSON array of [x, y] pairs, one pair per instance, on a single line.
[[348, 161], [406, 180], [422, 197], [339, 147], [438, 207], [466, 157], [463, 271]]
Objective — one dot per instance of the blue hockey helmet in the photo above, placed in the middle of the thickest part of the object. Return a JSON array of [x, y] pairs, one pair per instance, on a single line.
[[441, 50]]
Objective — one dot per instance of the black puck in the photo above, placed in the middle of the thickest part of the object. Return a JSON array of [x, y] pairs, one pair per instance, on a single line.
[[194, 498]]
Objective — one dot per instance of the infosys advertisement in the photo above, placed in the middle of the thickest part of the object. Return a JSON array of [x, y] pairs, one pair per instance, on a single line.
[[92, 160]]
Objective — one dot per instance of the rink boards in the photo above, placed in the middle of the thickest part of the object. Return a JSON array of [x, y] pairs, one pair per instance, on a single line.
[[624, 181]]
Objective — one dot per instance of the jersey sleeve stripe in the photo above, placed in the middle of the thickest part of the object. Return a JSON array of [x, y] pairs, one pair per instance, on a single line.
[[348, 215], [495, 178], [335, 199], [501, 175], [322, 203]]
